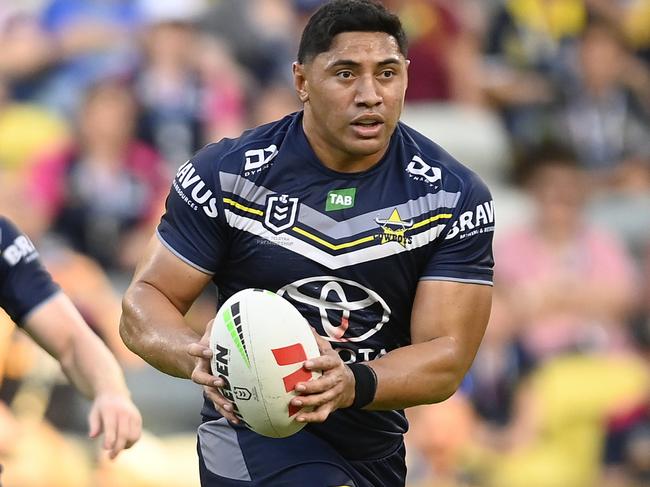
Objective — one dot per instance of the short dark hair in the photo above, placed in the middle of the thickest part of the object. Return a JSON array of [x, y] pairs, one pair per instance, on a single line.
[[340, 16], [549, 154]]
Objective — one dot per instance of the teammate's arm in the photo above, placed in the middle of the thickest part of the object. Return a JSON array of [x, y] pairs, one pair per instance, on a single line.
[[57, 327], [447, 324]]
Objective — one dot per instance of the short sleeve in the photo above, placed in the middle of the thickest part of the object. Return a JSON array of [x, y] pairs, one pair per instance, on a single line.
[[193, 226], [24, 282], [465, 252]]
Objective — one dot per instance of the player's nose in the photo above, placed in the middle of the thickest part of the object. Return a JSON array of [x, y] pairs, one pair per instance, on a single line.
[[368, 92]]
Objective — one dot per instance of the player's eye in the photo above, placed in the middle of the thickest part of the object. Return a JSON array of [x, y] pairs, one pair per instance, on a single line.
[[387, 74], [344, 74]]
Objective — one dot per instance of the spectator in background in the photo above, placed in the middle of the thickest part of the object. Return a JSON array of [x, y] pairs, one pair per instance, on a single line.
[[567, 292], [499, 367], [26, 48], [437, 441], [636, 25], [631, 17], [528, 48], [444, 53], [557, 430], [646, 279], [26, 129], [189, 89], [78, 43], [80, 277], [261, 34], [567, 284], [104, 192], [606, 110], [627, 448], [273, 103]]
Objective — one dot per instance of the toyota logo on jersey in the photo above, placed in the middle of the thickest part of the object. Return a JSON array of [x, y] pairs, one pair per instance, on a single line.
[[341, 310]]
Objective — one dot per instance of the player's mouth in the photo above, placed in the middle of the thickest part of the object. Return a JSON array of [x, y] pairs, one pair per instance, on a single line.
[[367, 126]]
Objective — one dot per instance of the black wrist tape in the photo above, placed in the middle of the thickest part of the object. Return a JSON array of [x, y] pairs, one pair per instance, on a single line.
[[365, 385]]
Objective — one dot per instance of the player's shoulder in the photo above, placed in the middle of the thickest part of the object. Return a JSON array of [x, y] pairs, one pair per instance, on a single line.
[[253, 149], [430, 164], [14, 244], [8, 232]]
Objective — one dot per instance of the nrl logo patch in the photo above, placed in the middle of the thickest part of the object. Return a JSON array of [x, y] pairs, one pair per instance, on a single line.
[[281, 213]]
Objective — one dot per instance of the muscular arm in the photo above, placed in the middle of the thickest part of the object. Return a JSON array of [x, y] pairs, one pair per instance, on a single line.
[[152, 324], [447, 324], [448, 321]]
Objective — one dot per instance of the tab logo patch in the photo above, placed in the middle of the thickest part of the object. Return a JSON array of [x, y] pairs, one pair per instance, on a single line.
[[340, 199]]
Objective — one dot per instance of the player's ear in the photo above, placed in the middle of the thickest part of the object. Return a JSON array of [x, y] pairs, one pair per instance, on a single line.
[[300, 81], [406, 73]]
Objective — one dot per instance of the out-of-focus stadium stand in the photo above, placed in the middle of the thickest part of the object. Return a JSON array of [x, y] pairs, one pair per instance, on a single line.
[[559, 393]]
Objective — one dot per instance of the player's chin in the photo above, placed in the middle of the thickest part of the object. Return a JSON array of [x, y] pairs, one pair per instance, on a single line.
[[367, 146]]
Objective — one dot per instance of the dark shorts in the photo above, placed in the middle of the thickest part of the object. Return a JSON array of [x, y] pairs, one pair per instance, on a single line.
[[236, 457]]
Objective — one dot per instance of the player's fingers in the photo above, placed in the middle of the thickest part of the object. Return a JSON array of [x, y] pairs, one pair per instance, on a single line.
[[221, 404], [316, 386], [121, 435], [135, 430], [199, 350], [318, 415], [109, 422], [325, 362], [94, 423], [205, 378], [315, 400]]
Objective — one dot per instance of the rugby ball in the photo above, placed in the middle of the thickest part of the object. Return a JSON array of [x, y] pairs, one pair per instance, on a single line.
[[259, 342]]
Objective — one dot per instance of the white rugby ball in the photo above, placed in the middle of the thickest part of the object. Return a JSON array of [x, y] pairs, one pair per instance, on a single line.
[[259, 342]]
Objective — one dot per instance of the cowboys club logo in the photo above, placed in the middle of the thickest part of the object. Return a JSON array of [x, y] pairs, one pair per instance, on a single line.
[[281, 212], [348, 311], [393, 229]]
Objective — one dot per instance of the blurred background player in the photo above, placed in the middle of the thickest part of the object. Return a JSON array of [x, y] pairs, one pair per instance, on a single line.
[[37, 305]]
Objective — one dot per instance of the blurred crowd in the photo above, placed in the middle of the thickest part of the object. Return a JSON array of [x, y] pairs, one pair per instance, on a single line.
[[548, 100]]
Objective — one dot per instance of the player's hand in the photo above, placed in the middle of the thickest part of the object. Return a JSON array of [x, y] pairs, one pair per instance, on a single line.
[[202, 375], [331, 391], [116, 416]]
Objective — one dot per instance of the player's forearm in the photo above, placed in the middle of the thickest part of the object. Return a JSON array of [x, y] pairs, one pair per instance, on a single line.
[[423, 373], [58, 327], [91, 367], [152, 327]]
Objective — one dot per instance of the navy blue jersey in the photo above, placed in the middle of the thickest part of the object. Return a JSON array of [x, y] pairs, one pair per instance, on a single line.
[[348, 250], [24, 283]]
